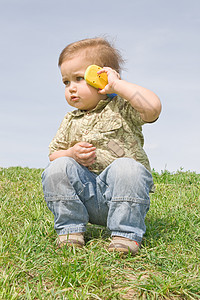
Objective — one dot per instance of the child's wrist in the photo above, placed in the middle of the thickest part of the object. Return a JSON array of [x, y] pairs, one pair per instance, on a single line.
[[70, 152], [114, 85]]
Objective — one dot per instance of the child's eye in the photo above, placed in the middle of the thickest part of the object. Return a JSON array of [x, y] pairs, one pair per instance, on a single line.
[[66, 82], [79, 78]]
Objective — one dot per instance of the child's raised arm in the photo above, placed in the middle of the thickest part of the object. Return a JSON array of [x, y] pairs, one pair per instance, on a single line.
[[141, 99]]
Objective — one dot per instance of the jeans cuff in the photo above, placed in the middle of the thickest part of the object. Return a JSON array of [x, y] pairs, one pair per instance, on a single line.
[[71, 229], [128, 235]]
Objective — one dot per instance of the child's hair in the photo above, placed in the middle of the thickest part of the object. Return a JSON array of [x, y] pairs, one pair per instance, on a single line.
[[96, 51]]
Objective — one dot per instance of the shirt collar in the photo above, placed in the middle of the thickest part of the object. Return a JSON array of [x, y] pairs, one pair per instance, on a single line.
[[100, 106]]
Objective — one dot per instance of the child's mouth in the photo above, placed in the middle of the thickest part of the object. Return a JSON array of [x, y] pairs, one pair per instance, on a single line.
[[74, 98]]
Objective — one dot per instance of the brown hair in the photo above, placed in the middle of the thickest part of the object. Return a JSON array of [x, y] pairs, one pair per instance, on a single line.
[[96, 50]]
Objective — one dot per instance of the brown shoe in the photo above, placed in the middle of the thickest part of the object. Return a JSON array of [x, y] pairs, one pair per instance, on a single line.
[[123, 245], [72, 239]]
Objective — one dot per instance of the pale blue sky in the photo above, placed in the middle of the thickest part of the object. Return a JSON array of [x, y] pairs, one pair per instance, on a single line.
[[160, 42]]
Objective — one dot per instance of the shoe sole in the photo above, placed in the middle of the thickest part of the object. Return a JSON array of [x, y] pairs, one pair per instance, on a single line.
[[121, 248], [70, 243]]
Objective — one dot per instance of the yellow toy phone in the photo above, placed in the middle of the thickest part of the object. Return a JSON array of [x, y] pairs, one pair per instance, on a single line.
[[99, 81]]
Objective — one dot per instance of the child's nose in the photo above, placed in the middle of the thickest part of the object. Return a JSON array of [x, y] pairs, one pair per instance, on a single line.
[[72, 86]]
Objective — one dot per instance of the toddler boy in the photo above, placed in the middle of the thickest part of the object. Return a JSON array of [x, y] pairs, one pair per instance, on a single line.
[[98, 171]]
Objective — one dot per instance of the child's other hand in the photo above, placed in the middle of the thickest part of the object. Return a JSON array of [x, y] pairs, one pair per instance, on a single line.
[[84, 153], [113, 77]]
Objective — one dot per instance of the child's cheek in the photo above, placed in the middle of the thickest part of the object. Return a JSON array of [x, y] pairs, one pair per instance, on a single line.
[[66, 95]]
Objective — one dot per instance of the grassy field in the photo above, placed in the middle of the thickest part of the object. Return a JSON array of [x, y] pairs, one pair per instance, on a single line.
[[167, 267]]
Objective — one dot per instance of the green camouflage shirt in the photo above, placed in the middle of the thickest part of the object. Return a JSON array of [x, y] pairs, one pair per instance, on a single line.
[[114, 127]]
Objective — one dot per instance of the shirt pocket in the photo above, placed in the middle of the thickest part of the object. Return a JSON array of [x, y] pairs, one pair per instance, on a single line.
[[111, 133], [110, 125]]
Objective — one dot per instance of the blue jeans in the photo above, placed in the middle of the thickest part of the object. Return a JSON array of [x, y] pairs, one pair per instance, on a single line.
[[117, 198]]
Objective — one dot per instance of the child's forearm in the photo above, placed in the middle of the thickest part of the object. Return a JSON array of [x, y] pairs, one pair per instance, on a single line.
[[60, 153], [141, 99]]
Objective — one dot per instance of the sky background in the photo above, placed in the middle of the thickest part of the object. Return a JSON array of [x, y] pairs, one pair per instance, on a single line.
[[160, 41]]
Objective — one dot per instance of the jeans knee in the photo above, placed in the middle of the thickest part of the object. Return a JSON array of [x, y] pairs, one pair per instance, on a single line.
[[62, 164], [126, 168], [128, 172], [57, 170]]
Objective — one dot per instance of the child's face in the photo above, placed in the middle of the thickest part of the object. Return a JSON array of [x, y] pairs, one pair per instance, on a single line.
[[78, 93]]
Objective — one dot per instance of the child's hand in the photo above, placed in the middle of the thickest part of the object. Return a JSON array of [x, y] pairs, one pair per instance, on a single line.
[[113, 77], [84, 153]]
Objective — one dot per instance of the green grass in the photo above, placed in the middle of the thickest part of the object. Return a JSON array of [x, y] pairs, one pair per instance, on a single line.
[[31, 267]]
